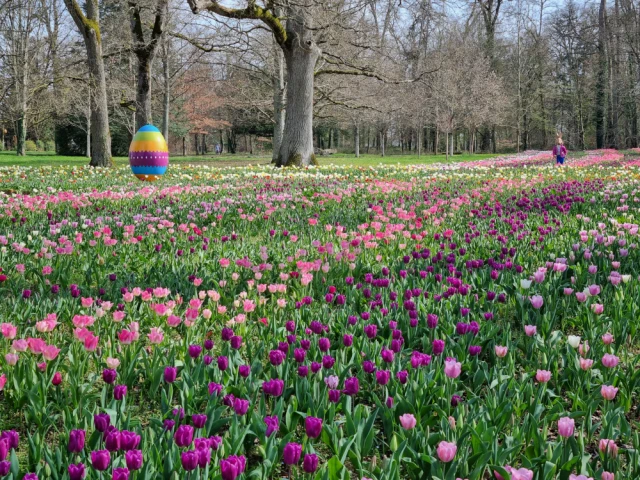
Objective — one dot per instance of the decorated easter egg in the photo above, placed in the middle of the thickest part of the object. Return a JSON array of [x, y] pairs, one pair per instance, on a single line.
[[148, 154]]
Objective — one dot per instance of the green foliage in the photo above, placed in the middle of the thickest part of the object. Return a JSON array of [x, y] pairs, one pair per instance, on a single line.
[[31, 146]]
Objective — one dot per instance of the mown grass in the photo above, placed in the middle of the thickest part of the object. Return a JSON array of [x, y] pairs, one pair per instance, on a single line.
[[9, 158]]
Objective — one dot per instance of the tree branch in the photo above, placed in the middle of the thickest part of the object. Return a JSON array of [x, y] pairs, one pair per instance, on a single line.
[[251, 12]]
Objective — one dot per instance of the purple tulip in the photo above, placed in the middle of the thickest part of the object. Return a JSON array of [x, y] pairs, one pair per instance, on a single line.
[[101, 422], [438, 347], [291, 453], [207, 359], [347, 340], [30, 476], [12, 438], [324, 344], [76, 441], [276, 357], [232, 467], [183, 436], [169, 424], [215, 442], [240, 406], [4, 449], [204, 456], [389, 402], [109, 376], [334, 396], [112, 439], [199, 421], [328, 362], [134, 459], [170, 374], [244, 371], [223, 363], [194, 351], [129, 440], [474, 350], [368, 366], [120, 474], [455, 400], [273, 425], [299, 354], [371, 331], [313, 427], [273, 387], [5, 467], [215, 388], [310, 463], [189, 460], [303, 371], [315, 367], [119, 392], [208, 344], [236, 342], [383, 376], [100, 460], [351, 386], [227, 334], [76, 471]]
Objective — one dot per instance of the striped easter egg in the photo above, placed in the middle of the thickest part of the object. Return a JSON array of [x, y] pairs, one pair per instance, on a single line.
[[148, 154]]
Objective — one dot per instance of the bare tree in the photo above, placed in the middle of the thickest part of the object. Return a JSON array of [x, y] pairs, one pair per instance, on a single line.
[[144, 48], [89, 26]]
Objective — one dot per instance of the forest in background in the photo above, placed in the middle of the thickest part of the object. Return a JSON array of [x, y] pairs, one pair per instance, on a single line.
[[411, 76]]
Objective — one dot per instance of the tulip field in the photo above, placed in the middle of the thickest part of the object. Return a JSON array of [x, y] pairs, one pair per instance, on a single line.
[[462, 321]]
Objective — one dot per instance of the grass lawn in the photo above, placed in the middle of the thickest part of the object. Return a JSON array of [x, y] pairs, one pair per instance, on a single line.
[[48, 158]]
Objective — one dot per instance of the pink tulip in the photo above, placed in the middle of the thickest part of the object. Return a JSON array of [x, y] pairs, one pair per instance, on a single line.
[[568, 291], [452, 368], [610, 361], [91, 342], [608, 447], [530, 330], [543, 376], [87, 302], [597, 308], [112, 363], [538, 276], [3, 381], [173, 321], [608, 476], [8, 331], [585, 363], [118, 316], [407, 421], [566, 427], [581, 297], [608, 392], [607, 339], [11, 358], [594, 290], [579, 477], [50, 352], [156, 336], [446, 451], [537, 301], [501, 351]]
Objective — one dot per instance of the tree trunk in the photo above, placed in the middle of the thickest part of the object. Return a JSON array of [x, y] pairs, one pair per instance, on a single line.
[[21, 134], [89, 26], [356, 139], [419, 141], [435, 145], [143, 92], [204, 144], [301, 54], [279, 90], [88, 148], [601, 78], [184, 146], [167, 88], [382, 142]]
